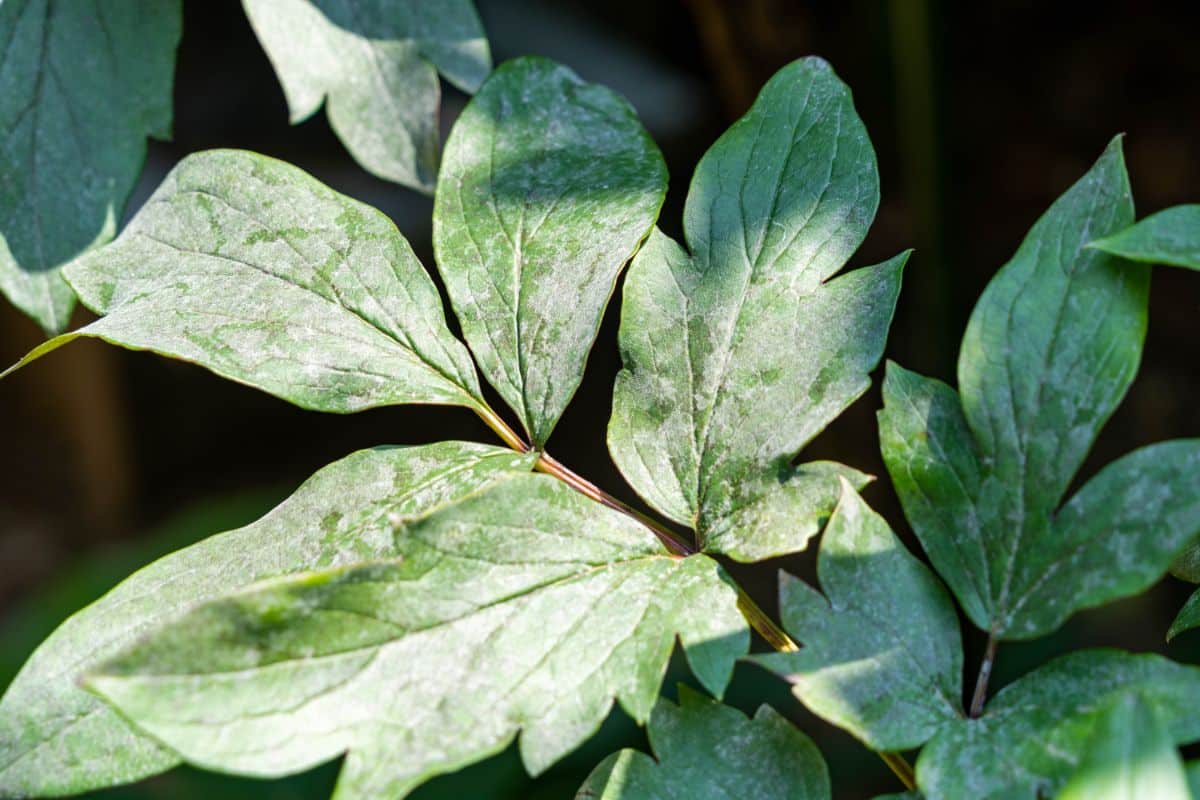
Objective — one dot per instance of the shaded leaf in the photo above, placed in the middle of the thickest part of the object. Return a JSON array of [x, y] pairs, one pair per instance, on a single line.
[[705, 750], [1188, 617], [1034, 733], [1130, 756], [1170, 237], [1193, 776], [548, 185], [526, 608], [56, 738], [739, 350], [880, 652], [1051, 348], [377, 62], [253, 269], [1186, 565], [82, 84]]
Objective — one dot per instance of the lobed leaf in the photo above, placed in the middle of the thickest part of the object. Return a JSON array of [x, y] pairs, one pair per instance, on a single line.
[[1130, 757], [82, 84], [881, 655], [377, 62], [251, 268], [1170, 237], [56, 738], [1035, 732], [548, 186], [740, 349], [525, 607], [703, 749], [1051, 348]]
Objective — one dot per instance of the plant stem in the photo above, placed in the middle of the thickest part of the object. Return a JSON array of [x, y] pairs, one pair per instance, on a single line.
[[501, 429], [985, 673], [902, 768]]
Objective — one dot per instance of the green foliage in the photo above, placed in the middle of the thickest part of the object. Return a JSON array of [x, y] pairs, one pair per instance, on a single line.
[[1170, 237]]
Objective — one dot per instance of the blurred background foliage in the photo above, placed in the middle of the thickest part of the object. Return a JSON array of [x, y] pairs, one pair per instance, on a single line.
[[982, 113]]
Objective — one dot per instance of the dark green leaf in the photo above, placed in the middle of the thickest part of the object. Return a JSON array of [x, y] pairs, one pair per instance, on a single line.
[[55, 738], [1188, 617], [1034, 733], [707, 750], [1170, 237], [740, 351], [1193, 776], [377, 62], [880, 652], [82, 84], [250, 267], [526, 607], [1130, 756], [548, 185], [1186, 565]]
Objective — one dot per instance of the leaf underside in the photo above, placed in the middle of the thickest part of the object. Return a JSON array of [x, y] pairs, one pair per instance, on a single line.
[[55, 738], [376, 62], [741, 348], [82, 84]]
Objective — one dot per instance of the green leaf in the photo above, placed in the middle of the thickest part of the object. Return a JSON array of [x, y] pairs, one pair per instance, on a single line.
[[526, 607], [1188, 617], [1051, 348], [1131, 756], [253, 269], [82, 84], [1186, 565], [740, 351], [708, 750], [56, 738], [377, 62], [881, 655], [1170, 237], [1034, 733], [1193, 776], [547, 187]]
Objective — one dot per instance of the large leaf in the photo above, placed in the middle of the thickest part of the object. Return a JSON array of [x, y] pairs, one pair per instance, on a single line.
[[1170, 237], [55, 738], [1051, 348], [377, 62], [740, 351], [82, 84], [1034, 733], [547, 187], [250, 267], [1188, 617], [880, 652], [1130, 757], [526, 607], [707, 750]]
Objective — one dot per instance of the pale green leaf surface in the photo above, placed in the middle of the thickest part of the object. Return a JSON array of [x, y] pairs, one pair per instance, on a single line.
[[377, 62], [253, 269], [708, 751], [740, 349], [1170, 237], [1188, 617], [1130, 756], [880, 652], [82, 84], [524, 608], [1034, 733], [548, 186], [56, 738], [1050, 350]]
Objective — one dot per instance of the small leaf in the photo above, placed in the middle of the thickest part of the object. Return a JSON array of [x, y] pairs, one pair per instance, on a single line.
[[1035, 732], [1051, 348], [526, 608], [1188, 617], [1186, 565], [881, 655], [377, 61], [741, 349], [707, 750], [1130, 756], [82, 84], [1170, 237], [548, 185], [253, 269], [56, 738]]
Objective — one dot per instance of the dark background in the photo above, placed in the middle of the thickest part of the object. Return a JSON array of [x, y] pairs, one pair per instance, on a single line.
[[981, 113]]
